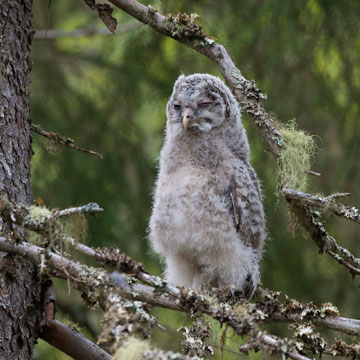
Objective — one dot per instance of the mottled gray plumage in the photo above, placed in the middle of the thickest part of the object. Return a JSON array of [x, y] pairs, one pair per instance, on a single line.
[[208, 219]]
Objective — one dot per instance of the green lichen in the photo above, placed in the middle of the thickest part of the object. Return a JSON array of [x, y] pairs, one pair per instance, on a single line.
[[39, 214], [183, 25], [296, 156], [133, 349]]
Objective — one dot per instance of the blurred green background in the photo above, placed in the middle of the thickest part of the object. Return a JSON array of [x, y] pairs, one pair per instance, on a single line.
[[109, 92]]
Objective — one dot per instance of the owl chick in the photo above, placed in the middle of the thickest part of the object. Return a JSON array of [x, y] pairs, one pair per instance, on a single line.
[[208, 220]]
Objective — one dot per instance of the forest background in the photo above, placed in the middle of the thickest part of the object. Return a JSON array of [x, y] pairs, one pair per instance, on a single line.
[[109, 92]]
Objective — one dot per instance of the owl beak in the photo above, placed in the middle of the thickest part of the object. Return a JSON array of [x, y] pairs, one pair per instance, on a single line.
[[187, 117]]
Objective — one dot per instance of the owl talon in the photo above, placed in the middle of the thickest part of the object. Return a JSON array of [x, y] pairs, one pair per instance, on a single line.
[[249, 288]]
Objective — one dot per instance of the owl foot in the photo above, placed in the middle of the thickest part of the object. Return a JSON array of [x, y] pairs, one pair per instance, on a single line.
[[249, 287]]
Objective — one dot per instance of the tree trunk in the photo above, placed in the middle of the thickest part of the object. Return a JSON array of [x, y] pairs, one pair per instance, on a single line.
[[20, 291]]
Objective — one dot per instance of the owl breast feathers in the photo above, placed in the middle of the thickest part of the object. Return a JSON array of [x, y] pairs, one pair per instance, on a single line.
[[208, 220]]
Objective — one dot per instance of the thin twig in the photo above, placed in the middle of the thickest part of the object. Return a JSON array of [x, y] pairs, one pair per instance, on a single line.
[[314, 173], [62, 140], [91, 31]]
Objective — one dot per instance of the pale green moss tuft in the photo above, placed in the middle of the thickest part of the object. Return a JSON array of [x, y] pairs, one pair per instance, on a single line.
[[296, 156], [38, 213], [133, 349]]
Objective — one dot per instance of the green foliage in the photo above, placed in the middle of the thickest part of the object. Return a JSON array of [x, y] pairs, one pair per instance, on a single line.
[[296, 156]]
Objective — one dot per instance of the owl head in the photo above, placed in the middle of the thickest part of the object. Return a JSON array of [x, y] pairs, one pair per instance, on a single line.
[[200, 103]]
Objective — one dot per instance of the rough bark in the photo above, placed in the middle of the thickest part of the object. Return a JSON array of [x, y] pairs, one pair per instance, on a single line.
[[20, 292]]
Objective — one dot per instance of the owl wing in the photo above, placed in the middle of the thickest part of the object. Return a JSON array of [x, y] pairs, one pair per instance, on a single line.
[[247, 206]]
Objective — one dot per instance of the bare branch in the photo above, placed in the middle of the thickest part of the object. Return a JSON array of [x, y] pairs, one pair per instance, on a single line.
[[62, 140], [71, 342], [327, 203], [91, 31]]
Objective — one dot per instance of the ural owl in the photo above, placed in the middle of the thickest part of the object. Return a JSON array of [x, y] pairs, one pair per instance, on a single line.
[[208, 220]]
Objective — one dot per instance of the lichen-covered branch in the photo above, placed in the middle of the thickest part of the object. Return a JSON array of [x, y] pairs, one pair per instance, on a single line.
[[327, 203], [62, 140], [326, 243], [114, 258], [271, 309], [161, 294], [97, 284], [291, 311], [41, 219], [90, 208], [340, 348]]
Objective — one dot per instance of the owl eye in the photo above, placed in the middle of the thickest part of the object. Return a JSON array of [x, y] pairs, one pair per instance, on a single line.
[[177, 106], [205, 104]]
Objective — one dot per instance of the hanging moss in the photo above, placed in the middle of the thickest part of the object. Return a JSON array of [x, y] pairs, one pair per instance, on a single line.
[[296, 156], [76, 226]]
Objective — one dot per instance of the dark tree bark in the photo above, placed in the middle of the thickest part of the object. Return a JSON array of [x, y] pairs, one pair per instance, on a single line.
[[20, 291]]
